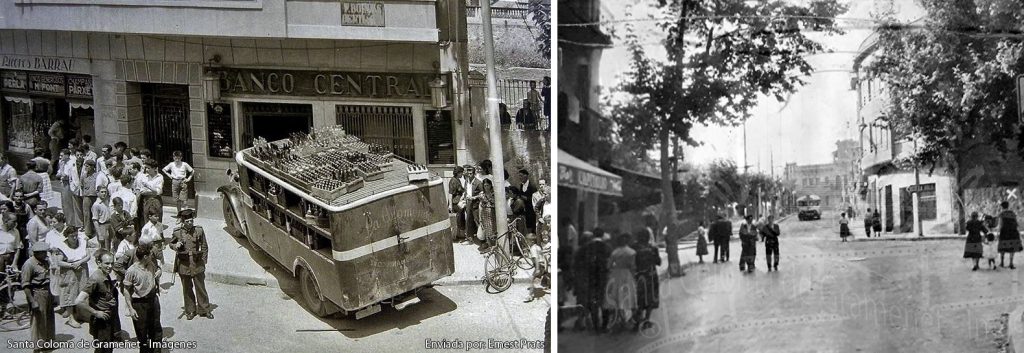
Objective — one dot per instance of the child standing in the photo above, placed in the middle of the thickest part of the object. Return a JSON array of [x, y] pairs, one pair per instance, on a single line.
[[991, 250], [702, 241], [181, 174]]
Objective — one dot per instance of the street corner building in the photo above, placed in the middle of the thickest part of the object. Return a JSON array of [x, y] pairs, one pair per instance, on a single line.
[[946, 198], [208, 77], [581, 184]]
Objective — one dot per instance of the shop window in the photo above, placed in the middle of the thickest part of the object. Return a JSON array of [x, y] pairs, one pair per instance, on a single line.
[[926, 205], [440, 137], [219, 131], [385, 125], [18, 124]]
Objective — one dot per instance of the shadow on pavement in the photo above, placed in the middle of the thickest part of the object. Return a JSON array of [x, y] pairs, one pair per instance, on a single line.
[[432, 303]]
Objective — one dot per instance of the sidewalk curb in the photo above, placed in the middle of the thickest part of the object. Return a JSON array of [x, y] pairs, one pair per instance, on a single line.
[[1015, 331], [447, 281], [234, 278], [938, 237]]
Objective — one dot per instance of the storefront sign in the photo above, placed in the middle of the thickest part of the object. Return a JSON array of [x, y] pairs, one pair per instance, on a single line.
[[43, 63], [79, 86], [368, 14], [14, 80], [46, 83], [921, 188], [315, 83], [577, 174]]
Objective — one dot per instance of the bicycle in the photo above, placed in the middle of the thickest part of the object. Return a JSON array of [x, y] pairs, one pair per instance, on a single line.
[[14, 316], [500, 265]]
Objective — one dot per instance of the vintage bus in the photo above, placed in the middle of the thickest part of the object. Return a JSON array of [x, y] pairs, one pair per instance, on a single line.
[[352, 243], [809, 207]]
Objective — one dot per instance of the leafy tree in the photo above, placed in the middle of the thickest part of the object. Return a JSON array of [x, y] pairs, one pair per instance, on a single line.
[[722, 56], [950, 80], [540, 13]]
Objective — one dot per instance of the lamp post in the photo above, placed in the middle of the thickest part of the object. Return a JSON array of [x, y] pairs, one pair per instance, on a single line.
[[493, 123]]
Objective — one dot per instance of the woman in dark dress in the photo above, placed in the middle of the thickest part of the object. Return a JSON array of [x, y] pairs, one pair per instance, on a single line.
[[973, 248], [647, 262], [1009, 236], [844, 226]]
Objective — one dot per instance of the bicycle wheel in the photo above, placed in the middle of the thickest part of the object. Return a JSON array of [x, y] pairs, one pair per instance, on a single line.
[[493, 263], [17, 316], [499, 280], [524, 260]]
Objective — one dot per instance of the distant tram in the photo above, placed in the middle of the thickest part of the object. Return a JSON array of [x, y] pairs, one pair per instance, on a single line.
[[809, 207]]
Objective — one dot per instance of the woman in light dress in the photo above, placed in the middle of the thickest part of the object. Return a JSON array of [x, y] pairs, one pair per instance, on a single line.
[[620, 292]]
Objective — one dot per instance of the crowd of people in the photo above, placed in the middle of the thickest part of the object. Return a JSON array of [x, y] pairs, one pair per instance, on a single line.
[[108, 208], [613, 277], [472, 201]]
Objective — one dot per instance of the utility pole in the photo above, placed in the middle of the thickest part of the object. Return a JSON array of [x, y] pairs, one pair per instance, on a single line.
[[917, 193], [494, 127]]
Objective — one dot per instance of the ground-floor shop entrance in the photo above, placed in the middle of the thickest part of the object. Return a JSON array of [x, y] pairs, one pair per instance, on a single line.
[[166, 125]]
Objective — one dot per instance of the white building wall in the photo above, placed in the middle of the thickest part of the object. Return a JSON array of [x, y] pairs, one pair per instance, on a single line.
[[945, 216]]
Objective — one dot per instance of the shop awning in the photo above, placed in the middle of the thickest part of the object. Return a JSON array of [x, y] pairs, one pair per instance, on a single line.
[[575, 173], [15, 99], [80, 104]]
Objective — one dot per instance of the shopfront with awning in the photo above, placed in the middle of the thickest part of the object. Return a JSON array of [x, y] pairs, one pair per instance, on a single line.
[[577, 174], [581, 186]]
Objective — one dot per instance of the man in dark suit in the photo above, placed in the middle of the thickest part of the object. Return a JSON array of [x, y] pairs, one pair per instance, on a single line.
[[469, 183], [526, 189], [770, 236], [590, 276], [720, 232], [457, 192]]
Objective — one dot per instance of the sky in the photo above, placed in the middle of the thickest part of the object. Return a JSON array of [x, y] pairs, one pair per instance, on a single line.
[[804, 128]]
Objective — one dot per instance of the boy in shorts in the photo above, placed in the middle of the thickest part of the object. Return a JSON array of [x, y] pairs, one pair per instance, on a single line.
[[181, 174]]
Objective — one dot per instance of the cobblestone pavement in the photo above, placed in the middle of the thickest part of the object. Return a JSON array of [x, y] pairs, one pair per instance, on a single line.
[[828, 296]]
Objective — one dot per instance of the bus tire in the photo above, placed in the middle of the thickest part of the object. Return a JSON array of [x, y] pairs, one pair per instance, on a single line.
[[233, 223], [311, 293]]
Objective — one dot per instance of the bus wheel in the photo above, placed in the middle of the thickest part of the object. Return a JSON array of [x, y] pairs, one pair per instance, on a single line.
[[311, 293]]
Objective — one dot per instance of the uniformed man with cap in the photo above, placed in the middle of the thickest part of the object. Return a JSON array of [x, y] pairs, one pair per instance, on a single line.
[[189, 244], [35, 279]]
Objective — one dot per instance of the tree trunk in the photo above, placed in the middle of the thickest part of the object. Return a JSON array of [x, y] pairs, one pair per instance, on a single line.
[[961, 219], [668, 205]]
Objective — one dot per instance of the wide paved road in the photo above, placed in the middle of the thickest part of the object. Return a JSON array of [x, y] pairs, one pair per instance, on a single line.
[[261, 319], [829, 296]]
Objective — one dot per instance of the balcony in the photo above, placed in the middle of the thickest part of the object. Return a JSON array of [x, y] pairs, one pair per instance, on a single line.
[[513, 13]]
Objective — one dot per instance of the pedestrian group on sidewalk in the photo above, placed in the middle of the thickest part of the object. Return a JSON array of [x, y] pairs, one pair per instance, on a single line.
[[981, 241], [108, 209], [472, 202]]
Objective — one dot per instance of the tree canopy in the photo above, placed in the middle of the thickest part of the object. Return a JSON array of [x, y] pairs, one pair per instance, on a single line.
[[950, 76], [722, 54]]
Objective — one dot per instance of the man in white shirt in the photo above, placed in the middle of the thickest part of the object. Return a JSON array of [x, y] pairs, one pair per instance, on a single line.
[[180, 174], [153, 233], [127, 195], [471, 205], [101, 218], [6, 173], [150, 185]]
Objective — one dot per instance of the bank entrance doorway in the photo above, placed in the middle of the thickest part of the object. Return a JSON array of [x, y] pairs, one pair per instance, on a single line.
[[275, 121], [167, 127]]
